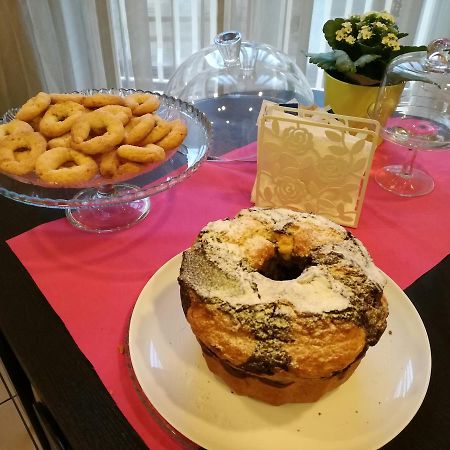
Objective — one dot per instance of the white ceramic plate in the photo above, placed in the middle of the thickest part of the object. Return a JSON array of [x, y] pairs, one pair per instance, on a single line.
[[366, 412]]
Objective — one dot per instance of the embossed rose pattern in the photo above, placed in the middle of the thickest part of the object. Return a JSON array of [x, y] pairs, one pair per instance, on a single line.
[[320, 171]]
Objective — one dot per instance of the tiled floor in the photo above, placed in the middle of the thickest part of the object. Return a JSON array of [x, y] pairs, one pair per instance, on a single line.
[[15, 430]]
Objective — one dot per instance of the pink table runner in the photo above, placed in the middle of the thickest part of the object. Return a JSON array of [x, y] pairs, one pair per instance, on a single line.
[[106, 273]]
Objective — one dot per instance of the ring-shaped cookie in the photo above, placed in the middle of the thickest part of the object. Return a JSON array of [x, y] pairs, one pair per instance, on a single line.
[[128, 169], [142, 103], [34, 107], [111, 166], [123, 113], [160, 130], [149, 154], [60, 141], [138, 128], [96, 121], [99, 100], [28, 145], [14, 127], [51, 166], [175, 136], [36, 121], [61, 98], [59, 118]]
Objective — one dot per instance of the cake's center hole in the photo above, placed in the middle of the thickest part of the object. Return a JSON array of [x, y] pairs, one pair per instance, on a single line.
[[280, 269]]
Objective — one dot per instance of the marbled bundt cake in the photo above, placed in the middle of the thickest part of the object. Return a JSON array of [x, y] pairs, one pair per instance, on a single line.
[[284, 304]]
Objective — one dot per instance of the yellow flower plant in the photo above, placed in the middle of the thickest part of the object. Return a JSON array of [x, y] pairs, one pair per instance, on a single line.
[[362, 47]]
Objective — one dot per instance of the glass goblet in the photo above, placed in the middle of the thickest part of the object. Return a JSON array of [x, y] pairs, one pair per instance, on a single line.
[[415, 115]]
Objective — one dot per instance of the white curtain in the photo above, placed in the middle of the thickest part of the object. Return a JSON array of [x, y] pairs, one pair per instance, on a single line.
[[65, 45], [153, 37], [19, 72], [284, 24]]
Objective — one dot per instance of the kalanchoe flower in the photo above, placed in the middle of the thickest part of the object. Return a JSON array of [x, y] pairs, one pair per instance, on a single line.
[[362, 47]]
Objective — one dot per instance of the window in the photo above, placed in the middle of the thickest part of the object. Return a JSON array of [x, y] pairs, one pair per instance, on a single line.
[[179, 28], [66, 45]]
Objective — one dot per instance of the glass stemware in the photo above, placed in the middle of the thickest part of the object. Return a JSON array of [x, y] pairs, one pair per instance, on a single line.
[[415, 114]]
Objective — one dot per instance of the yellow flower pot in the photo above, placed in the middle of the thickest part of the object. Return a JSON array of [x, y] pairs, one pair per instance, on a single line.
[[358, 101], [349, 99]]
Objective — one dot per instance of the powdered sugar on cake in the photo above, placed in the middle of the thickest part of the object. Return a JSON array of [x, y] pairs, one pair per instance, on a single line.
[[233, 247]]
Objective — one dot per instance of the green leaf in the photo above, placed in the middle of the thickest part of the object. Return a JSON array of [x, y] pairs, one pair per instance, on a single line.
[[408, 49], [371, 49], [344, 63], [329, 30], [326, 61], [366, 59]]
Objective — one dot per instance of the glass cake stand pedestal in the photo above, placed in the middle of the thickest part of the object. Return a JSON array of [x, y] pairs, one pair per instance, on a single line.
[[109, 216], [105, 206]]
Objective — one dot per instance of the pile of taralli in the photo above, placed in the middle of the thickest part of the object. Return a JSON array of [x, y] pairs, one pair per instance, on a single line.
[[69, 139]]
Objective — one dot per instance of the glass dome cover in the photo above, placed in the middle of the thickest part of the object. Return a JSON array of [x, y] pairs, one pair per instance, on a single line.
[[229, 79], [424, 94], [233, 66]]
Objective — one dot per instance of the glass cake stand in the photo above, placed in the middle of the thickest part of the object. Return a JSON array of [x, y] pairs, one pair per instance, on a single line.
[[104, 205]]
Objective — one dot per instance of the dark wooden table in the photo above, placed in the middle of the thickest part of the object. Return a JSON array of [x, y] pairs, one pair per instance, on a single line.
[[71, 408]]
